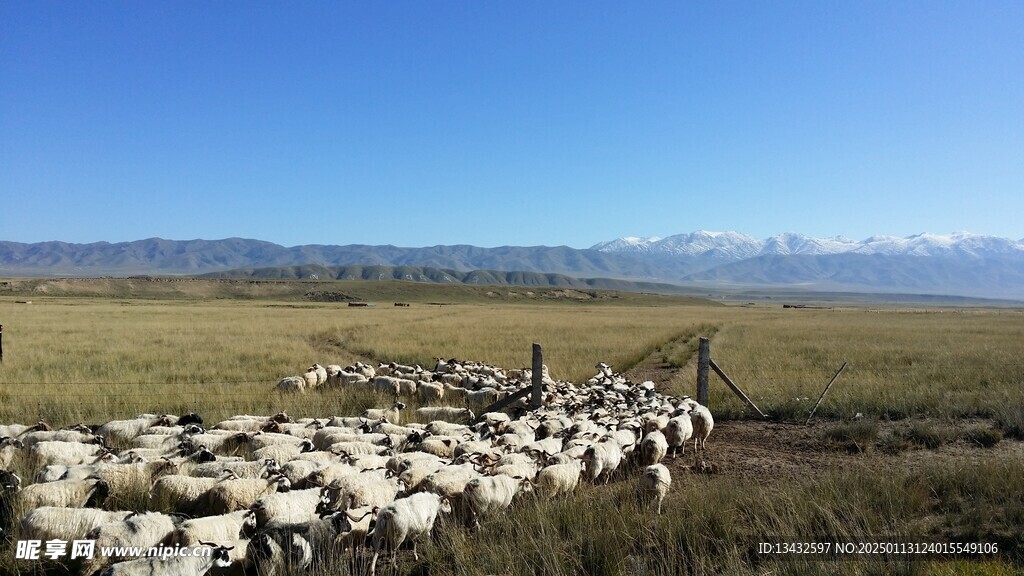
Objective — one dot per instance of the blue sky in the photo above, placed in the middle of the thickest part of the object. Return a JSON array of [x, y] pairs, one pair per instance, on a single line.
[[516, 123]]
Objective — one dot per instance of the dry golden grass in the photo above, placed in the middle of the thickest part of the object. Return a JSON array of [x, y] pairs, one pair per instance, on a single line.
[[70, 360], [79, 359]]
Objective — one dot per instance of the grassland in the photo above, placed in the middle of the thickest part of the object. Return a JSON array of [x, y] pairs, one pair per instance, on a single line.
[[913, 373]]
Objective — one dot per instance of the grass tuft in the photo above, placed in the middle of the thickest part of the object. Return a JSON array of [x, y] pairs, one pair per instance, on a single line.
[[983, 436], [929, 434], [854, 436]]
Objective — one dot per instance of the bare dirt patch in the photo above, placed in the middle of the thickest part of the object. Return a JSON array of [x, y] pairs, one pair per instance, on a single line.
[[770, 451]]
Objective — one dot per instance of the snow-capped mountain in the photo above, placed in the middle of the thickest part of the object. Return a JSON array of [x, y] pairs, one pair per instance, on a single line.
[[736, 246], [627, 244], [960, 264]]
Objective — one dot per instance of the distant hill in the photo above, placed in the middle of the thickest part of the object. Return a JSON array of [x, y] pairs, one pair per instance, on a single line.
[[159, 256], [962, 264], [447, 276]]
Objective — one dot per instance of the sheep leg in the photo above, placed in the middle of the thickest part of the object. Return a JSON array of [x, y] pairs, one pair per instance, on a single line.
[[373, 563]]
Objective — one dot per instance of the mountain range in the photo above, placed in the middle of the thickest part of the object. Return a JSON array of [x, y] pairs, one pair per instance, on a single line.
[[960, 264]]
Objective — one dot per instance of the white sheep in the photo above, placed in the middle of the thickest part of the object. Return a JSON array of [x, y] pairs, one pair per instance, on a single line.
[[310, 377], [241, 425], [297, 471], [445, 413], [264, 439], [386, 385], [124, 431], [440, 446], [390, 428], [222, 443], [450, 481], [602, 459], [654, 484], [328, 435], [365, 489], [559, 478], [10, 450], [15, 430], [568, 455], [500, 423], [489, 494], [59, 523], [652, 422], [54, 472], [443, 428], [66, 453], [186, 494], [413, 473], [455, 393], [220, 528], [282, 452], [291, 384], [351, 448], [400, 462], [653, 448], [431, 392], [163, 442], [678, 433], [321, 374], [64, 493], [406, 519], [702, 421], [122, 478], [239, 494], [82, 436], [141, 530], [626, 437], [326, 475], [486, 395], [253, 469], [406, 387], [392, 415], [292, 507], [548, 446]]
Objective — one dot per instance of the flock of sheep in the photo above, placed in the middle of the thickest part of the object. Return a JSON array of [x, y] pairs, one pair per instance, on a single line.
[[270, 495]]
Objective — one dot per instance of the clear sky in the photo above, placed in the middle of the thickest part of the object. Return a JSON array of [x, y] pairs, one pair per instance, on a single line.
[[508, 123]]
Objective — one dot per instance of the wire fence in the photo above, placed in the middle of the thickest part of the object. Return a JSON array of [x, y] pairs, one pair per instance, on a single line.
[[1008, 373]]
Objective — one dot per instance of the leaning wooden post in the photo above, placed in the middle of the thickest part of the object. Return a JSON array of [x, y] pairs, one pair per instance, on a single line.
[[823, 392], [703, 363], [537, 396], [736, 389]]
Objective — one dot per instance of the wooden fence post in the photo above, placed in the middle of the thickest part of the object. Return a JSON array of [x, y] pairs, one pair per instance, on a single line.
[[823, 392], [537, 397], [1, 342], [703, 364]]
